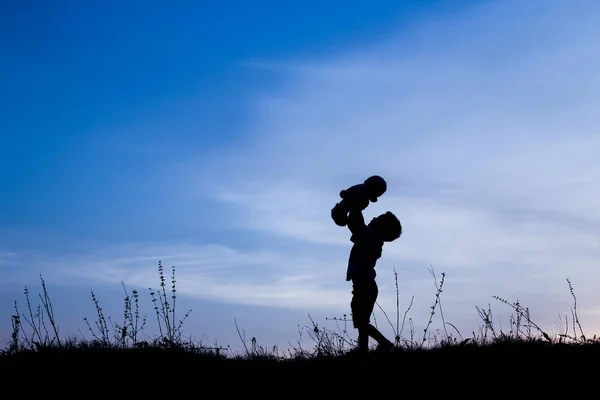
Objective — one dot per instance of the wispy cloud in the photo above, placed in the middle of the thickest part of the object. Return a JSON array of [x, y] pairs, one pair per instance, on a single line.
[[484, 126], [210, 272]]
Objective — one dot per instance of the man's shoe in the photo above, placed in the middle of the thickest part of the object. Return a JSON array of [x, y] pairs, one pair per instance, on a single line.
[[385, 347], [357, 352]]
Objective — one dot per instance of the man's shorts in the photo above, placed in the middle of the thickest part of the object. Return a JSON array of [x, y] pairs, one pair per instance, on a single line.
[[364, 295]]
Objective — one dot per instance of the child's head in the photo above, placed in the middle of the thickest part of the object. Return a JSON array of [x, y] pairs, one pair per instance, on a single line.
[[387, 225], [375, 186]]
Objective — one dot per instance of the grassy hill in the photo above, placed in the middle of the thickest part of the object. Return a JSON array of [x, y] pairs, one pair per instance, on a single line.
[[524, 358]]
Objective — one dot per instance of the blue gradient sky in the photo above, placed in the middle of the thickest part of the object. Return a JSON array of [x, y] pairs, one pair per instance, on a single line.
[[216, 138]]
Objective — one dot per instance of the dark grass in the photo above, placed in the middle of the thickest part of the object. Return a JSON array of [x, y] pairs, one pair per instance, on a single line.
[[122, 352], [511, 367]]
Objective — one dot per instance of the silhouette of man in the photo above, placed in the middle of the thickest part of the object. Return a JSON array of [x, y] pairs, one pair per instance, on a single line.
[[367, 248]]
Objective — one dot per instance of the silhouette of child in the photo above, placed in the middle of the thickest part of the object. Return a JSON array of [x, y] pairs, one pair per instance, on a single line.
[[368, 244], [357, 197]]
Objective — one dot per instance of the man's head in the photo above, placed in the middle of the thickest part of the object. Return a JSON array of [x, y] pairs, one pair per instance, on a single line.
[[387, 225]]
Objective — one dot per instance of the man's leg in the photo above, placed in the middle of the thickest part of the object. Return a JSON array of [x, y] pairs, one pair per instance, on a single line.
[[362, 305], [363, 339], [360, 315], [370, 330], [382, 341]]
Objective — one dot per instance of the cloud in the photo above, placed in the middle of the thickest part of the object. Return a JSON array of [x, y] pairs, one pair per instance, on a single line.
[[486, 131], [213, 272], [484, 125]]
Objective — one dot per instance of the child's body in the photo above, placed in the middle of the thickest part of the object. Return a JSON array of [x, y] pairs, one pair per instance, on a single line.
[[357, 197], [368, 244]]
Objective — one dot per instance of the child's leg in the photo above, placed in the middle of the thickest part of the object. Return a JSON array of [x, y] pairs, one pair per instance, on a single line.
[[339, 214]]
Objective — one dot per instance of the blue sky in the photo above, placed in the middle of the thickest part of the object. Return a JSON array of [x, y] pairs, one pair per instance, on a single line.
[[216, 138]]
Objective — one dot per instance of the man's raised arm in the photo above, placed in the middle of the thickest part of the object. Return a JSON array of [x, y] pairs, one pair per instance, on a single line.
[[356, 222]]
